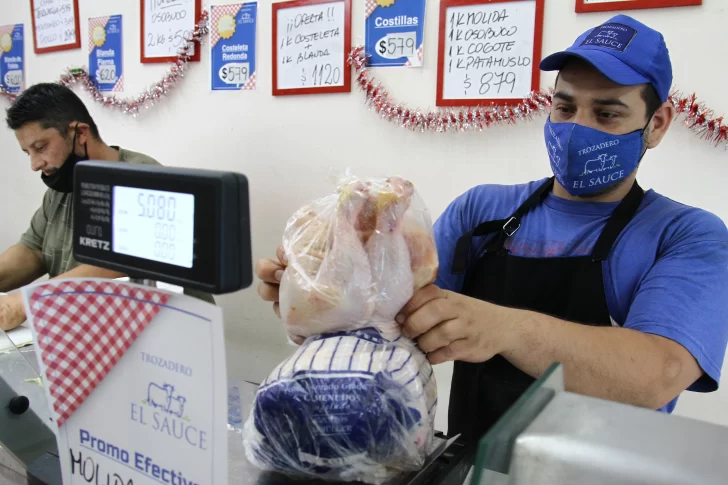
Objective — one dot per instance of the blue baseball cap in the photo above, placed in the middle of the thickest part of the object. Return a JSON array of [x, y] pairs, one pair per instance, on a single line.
[[624, 50]]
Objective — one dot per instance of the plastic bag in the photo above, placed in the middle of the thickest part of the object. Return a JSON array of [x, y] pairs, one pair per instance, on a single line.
[[355, 258], [357, 400], [346, 407]]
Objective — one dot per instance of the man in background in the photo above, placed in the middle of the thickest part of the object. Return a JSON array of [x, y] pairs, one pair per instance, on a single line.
[[55, 129]]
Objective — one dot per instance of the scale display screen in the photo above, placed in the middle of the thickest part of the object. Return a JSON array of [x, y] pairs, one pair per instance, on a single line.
[[154, 224], [185, 227]]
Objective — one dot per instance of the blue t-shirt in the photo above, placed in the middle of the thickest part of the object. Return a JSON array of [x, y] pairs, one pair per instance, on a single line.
[[667, 273]]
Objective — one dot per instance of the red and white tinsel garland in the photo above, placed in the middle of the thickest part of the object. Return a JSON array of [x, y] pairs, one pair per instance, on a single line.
[[697, 117], [152, 94], [440, 120], [700, 119]]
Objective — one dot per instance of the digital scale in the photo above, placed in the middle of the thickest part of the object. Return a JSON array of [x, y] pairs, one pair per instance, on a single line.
[[185, 227], [192, 228]]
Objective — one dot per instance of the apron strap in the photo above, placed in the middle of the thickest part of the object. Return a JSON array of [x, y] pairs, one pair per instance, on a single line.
[[504, 228], [621, 216]]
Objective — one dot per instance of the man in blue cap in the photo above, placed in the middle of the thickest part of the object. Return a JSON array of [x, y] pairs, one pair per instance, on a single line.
[[626, 288]]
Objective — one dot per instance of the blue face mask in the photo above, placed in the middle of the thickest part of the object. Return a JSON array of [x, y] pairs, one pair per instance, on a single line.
[[586, 161]]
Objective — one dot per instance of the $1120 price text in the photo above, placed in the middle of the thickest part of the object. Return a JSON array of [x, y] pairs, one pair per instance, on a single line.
[[321, 75]]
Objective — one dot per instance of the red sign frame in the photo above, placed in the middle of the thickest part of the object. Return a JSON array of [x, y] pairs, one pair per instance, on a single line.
[[537, 45], [346, 88], [64, 47], [142, 35], [582, 7]]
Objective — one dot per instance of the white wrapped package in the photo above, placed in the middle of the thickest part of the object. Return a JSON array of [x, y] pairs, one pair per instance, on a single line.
[[350, 406], [357, 401]]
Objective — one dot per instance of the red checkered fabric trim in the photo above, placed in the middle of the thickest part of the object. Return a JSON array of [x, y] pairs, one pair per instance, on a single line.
[[420, 52], [419, 58], [250, 85], [216, 12], [92, 24], [6, 29], [83, 329], [369, 8], [119, 86]]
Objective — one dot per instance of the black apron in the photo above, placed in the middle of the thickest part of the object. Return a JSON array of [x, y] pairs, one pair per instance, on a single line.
[[569, 288]]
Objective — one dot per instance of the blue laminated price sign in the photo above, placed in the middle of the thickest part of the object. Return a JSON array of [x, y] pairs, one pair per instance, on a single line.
[[105, 47], [12, 57], [232, 46], [395, 32]]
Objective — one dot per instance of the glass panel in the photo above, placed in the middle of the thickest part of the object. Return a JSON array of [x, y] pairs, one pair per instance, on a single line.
[[492, 461]]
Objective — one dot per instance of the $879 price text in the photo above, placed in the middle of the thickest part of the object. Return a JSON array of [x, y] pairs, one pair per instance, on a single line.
[[491, 83]]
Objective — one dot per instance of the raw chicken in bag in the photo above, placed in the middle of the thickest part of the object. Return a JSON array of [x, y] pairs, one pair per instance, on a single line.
[[357, 400]]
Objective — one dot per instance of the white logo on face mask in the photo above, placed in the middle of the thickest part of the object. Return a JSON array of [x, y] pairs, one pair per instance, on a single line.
[[601, 146], [555, 159], [556, 138], [600, 164]]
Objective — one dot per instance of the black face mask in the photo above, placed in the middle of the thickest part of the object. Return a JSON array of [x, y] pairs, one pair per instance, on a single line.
[[62, 179]]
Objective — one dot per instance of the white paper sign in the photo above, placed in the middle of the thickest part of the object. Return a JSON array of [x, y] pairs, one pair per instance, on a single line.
[[311, 46], [55, 23], [167, 23], [489, 50], [160, 414]]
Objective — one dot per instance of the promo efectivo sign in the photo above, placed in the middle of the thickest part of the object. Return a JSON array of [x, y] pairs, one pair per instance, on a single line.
[[135, 380]]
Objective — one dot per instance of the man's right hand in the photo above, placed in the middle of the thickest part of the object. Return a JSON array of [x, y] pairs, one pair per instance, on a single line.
[[270, 272]]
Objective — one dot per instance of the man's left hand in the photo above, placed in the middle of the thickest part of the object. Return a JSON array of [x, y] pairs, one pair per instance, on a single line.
[[449, 326], [12, 311]]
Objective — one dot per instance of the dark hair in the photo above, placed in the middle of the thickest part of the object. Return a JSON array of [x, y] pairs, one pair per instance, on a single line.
[[652, 100], [649, 96], [51, 105]]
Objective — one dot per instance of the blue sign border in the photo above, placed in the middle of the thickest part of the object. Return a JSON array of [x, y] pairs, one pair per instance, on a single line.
[[112, 50], [239, 47], [399, 17], [14, 59]]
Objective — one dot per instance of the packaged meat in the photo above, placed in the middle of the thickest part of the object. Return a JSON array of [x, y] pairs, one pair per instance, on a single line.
[[355, 258], [345, 406], [357, 400]]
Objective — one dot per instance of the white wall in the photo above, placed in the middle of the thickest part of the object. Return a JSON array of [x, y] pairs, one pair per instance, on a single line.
[[287, 146]]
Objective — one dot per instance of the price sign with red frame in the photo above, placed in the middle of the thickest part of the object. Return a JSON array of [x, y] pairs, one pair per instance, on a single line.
[[311, 44], [165, 27], [55, 25], [489, 51]]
